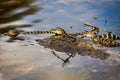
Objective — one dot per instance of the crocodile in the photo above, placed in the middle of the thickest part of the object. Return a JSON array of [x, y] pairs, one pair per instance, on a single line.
[[15, 33], [61, 33], [110, 36], [104, 39], [58, 32]]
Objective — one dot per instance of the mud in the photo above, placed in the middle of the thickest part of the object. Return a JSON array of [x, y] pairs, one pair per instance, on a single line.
[[80, 46]]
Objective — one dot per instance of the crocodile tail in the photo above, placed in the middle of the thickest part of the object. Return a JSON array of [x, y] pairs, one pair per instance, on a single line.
[[115, 44], [109, 43], [115, 37], [112, 36], [38, 32], [109, 36]]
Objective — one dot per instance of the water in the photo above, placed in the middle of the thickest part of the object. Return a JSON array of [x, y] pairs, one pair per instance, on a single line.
[[27, 60]]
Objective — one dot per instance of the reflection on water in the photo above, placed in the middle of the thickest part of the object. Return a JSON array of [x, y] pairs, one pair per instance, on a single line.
[[34, 62], [101, 56], [66, 60], [26, 60], [80, 46], [13, 39], [8, 7], [5, 29], [13, 10]]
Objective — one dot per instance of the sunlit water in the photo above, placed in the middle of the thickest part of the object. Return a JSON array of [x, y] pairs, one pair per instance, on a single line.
[[27, 60]]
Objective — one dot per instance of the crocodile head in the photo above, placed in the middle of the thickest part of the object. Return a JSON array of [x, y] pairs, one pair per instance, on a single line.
[[12, 33], [90, 34], [58, 31]]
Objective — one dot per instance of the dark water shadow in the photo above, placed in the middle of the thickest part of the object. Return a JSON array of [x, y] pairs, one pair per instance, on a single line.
[[11, 11], [16, 38], [7, 28]]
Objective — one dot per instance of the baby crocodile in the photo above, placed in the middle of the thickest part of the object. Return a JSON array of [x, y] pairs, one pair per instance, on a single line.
[[59, 33], [15, 33], [104, 39], [110, 36]]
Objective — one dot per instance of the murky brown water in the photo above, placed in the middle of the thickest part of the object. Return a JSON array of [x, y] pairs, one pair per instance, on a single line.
[[27, 60]]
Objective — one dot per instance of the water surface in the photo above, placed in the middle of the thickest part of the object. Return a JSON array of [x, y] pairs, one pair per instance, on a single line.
[[27, 60]]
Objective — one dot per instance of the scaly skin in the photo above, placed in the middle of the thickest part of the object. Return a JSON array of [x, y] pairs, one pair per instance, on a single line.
[[110, 36], [15, 33], [59, 33], [109, 43], [105, 39], [12, 33]]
